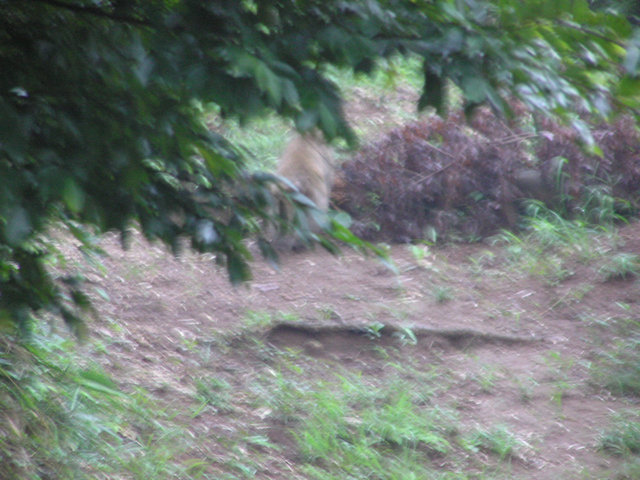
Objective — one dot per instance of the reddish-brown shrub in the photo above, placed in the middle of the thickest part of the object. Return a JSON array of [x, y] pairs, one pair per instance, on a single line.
[[457, 177]]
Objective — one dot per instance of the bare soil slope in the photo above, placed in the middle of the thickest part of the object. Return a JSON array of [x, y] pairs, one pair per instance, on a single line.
[[513, 347]]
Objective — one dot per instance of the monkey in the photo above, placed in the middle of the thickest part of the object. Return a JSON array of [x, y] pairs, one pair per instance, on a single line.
[[306, 162]]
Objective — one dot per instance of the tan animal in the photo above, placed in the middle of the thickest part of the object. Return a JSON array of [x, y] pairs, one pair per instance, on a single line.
[[306, 162]]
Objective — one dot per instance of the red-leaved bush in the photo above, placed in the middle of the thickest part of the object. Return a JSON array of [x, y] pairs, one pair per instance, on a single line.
[[464, 179]]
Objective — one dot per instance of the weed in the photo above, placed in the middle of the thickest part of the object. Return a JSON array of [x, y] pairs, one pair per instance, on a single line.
[[526, 388], [397, 423], [374, 330], [256, 320], [442, 294], [560, 387], [260, 442], [618, 370], [551, 242], [623, 438], [621, 265], [328, 312], [214, 392], [420, 253], [368, 430], [287, 317], [284, 395], [498, 440], [69, 420], [624, 306], [352, 297], [599, 206], [406, 336], [629, 470], [482, 261], [486, 378], [560, 367]]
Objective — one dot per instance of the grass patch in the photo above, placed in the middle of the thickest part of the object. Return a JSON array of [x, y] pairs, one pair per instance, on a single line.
[[348, 425], [497, 441], [621, 265], [62, 418], [623, 438], [264, 138], [552, 245], [618, 369], [215, 393], [370, 431], [442, 294]]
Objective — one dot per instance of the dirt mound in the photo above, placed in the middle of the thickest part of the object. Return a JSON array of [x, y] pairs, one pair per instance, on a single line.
[[336, 340], [508, 349]]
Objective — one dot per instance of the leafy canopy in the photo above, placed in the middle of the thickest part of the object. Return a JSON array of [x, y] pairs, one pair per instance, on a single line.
[[100, 123]]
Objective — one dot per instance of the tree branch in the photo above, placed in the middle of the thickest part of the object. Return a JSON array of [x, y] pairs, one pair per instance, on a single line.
[[95, 11]]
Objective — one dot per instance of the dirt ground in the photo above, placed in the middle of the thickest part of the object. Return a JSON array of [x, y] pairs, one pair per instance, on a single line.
[[515, 347], [512, 347]]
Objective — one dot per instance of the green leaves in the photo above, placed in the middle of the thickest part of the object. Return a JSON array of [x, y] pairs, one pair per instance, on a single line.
[[73, 195], [100, 121]]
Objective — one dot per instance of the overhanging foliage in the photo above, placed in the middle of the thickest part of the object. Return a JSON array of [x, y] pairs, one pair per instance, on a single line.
[[100, 125]]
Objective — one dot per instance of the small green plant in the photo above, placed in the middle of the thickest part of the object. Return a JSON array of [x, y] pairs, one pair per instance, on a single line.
[[285, 394], [374, 330], [214, 392], [406, 336], [629, 470], [618, 370], [66, 418], [526, 388], [562, 383], [621, 265], [255, 319], [328, 312], [486, 378], [599, 206], [442, 294], [287, 317], [623, 438], [419, 252], [552, 242], [498, 440], [560, 387], [364, 431], [480, 262]]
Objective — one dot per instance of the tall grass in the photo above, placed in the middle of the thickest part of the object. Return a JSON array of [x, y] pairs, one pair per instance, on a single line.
[[618, 368], [350, 428], [62, 417], [552, 245], [349, 425]]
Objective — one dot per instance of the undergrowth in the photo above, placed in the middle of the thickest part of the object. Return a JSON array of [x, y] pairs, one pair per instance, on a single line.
[[62, 417], [466, 181], [355, 426], [622, 440], [618, 367], [553, 246]]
